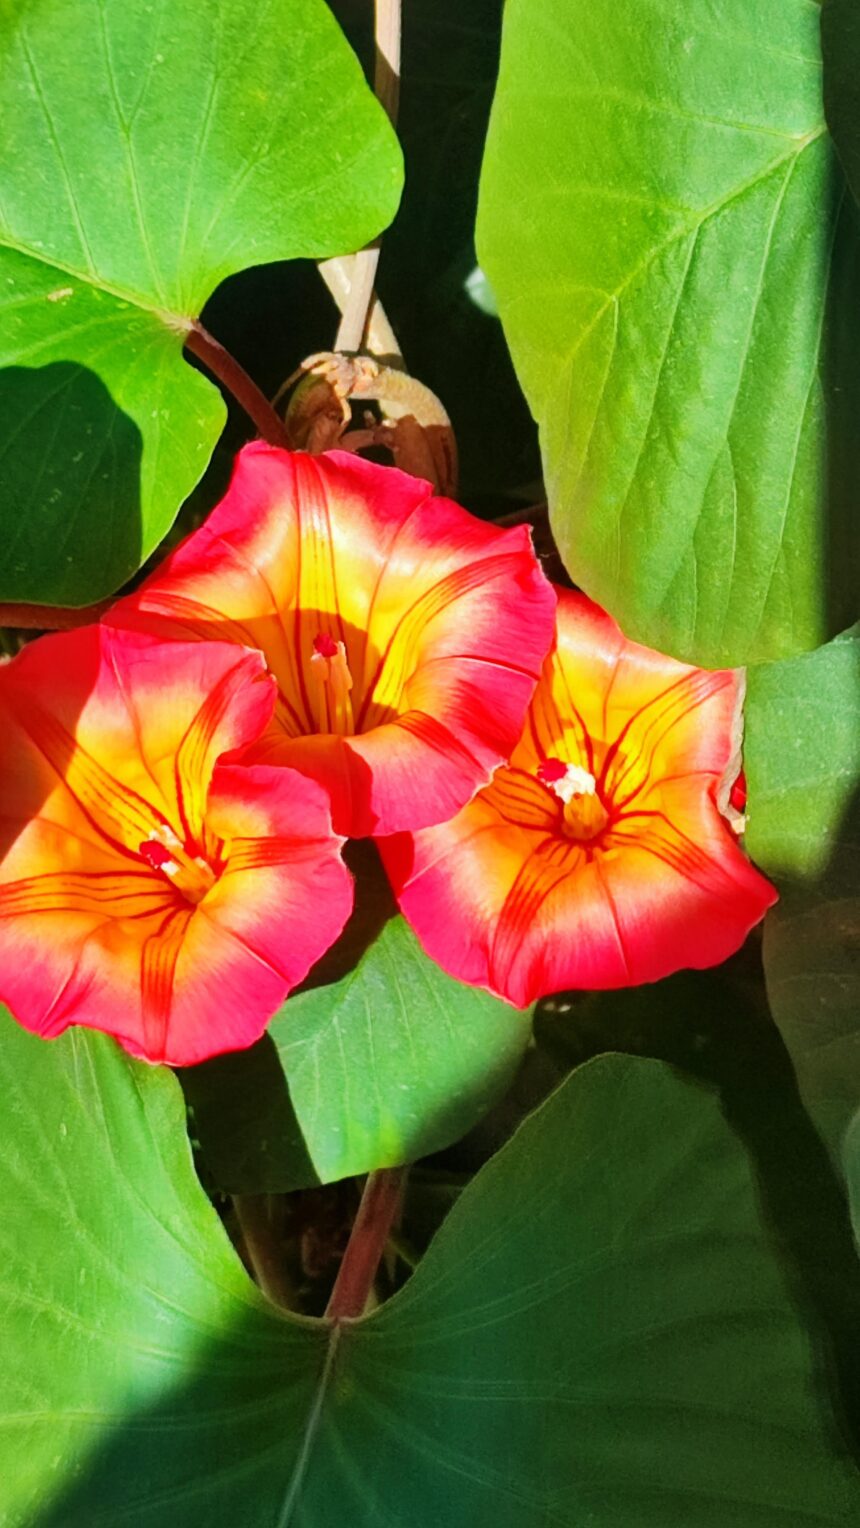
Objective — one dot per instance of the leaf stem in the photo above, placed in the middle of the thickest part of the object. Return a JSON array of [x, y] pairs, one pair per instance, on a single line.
[[226, 368], [370, 1232]]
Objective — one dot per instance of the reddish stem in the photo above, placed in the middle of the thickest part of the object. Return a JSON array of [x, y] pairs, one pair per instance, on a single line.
[[226, 368], [366, 1244]]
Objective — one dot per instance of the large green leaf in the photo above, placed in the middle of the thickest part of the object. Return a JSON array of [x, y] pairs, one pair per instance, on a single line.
[[802, 757], [664, 224], [382, 1064], [152, 147], [600, 1333]]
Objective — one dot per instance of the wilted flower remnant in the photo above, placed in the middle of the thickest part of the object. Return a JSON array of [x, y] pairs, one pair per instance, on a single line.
[[600, 857], [146, 887]]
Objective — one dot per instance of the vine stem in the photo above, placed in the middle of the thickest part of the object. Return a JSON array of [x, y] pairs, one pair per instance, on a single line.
[[367, 1241], [226, 368], [355, 297]]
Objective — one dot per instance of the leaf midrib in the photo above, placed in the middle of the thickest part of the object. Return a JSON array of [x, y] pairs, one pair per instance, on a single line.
[[179, 322], [680, 232], [293, 1487]]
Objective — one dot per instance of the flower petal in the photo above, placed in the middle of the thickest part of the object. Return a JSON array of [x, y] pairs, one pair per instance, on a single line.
[[281, 901], [506, 897], [104, 736], [179, 984], [525, 914], [96, 719], [444, 622]]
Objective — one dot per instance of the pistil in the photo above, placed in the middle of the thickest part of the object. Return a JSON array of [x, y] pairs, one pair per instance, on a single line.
[[585, 815], [330, 669], [191, 874]]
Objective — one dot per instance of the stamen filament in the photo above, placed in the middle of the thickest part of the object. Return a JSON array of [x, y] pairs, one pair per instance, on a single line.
[[330, 669], [192, 875]]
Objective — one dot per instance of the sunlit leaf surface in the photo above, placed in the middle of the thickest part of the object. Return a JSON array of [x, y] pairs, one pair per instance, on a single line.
[[386, 1062], [664, 223], [151, 148], [592, 1337]]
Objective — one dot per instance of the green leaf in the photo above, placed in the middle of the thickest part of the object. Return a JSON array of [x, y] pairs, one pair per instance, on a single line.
[[664, 225], [152, 149], [117, 1280], [387, 1062], [592, 1337], [802, 759]]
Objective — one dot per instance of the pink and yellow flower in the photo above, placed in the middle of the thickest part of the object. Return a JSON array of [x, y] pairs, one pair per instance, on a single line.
[[149, 886], [601, 856], [406, 636]]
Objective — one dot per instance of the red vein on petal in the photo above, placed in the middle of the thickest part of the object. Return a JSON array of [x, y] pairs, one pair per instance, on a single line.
[[260, 853], [698, 689], [276, 613], [98, 893], [212, 625], [399, 649], [677, 701], [536, 880], [610, 685], [676, 850], [545, 723], [316, 573], [436, 736], [96, 792], [385, 567], [199, 749], [159, 957], [523, 801], [134, 719]]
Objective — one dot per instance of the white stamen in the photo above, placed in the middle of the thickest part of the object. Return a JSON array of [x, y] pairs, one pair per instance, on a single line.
[[165, 836], [574, 782]]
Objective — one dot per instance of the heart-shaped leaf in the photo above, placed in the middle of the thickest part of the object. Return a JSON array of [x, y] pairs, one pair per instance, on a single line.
[[152, 148], [664, 223], [385, 1060], [592, 1337]]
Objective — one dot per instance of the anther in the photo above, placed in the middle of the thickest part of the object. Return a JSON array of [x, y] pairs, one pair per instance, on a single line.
[[331, 670], [192, 875], [566, 780]]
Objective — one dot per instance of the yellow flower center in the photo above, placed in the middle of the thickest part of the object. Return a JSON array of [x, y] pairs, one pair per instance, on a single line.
[[585, 815]]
